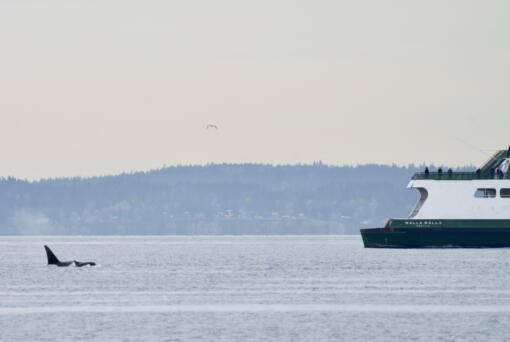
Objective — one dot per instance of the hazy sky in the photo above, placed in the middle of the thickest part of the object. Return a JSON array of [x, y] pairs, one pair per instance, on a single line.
[[101, 87]]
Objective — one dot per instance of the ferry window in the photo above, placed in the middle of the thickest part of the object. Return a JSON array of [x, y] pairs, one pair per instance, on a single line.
[[505, 193], [485, 193]]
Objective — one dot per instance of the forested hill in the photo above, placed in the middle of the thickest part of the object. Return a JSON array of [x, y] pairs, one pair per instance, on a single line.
[[213, 199]]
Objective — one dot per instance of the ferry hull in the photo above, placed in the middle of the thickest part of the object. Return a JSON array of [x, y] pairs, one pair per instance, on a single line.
[[435, 237]]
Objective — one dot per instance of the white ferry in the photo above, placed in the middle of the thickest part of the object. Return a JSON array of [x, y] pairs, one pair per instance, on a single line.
[[455, 209]]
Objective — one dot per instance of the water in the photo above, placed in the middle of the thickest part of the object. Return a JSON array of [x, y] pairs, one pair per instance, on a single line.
[[247, 288]]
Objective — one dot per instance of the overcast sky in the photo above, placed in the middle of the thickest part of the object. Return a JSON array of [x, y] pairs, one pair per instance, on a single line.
[[102, 87]]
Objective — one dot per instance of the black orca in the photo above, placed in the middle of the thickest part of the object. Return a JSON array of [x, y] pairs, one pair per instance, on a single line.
[[85, 263], [53, 260]]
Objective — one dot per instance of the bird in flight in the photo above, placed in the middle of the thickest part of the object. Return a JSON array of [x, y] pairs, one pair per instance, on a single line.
[[211, 126]]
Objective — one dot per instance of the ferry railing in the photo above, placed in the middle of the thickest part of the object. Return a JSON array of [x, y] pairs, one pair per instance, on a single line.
[[458, 175]]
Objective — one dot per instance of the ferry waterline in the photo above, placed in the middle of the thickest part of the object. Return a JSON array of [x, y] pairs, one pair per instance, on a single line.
[[455, 209]]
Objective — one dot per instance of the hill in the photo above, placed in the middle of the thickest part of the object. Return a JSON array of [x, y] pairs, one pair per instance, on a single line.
[[212, 199]]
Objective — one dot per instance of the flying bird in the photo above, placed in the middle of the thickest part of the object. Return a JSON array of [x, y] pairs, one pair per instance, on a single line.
[[211, 126]]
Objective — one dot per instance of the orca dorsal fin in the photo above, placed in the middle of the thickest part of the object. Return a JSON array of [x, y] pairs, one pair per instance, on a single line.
[[52, 259]]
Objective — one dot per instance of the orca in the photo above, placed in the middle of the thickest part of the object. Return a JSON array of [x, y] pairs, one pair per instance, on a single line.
[[85, 263], [53, 260]]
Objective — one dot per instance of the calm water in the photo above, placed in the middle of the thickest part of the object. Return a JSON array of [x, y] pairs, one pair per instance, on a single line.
[[306, 288]]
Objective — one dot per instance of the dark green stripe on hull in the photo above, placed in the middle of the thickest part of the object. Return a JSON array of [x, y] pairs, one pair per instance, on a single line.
[[436, 237]]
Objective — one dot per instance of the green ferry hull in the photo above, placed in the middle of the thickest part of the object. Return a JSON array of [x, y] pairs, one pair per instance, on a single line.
[[435, 237]]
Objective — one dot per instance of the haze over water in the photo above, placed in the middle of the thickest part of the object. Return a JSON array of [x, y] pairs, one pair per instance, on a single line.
[[284, 288]]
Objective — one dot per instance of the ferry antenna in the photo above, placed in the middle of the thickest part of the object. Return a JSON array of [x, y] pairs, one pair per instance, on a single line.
[[477, 149]]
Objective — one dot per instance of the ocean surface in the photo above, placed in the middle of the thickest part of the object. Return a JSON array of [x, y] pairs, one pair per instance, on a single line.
[[250, 288]]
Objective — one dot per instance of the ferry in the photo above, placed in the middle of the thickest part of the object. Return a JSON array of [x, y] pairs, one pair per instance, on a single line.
[[455, 210]]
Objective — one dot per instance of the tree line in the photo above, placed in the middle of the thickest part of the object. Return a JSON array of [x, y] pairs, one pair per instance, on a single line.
[[211, 199]]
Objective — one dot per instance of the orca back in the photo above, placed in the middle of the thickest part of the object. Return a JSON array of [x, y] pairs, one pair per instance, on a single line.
[[84, 263]]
